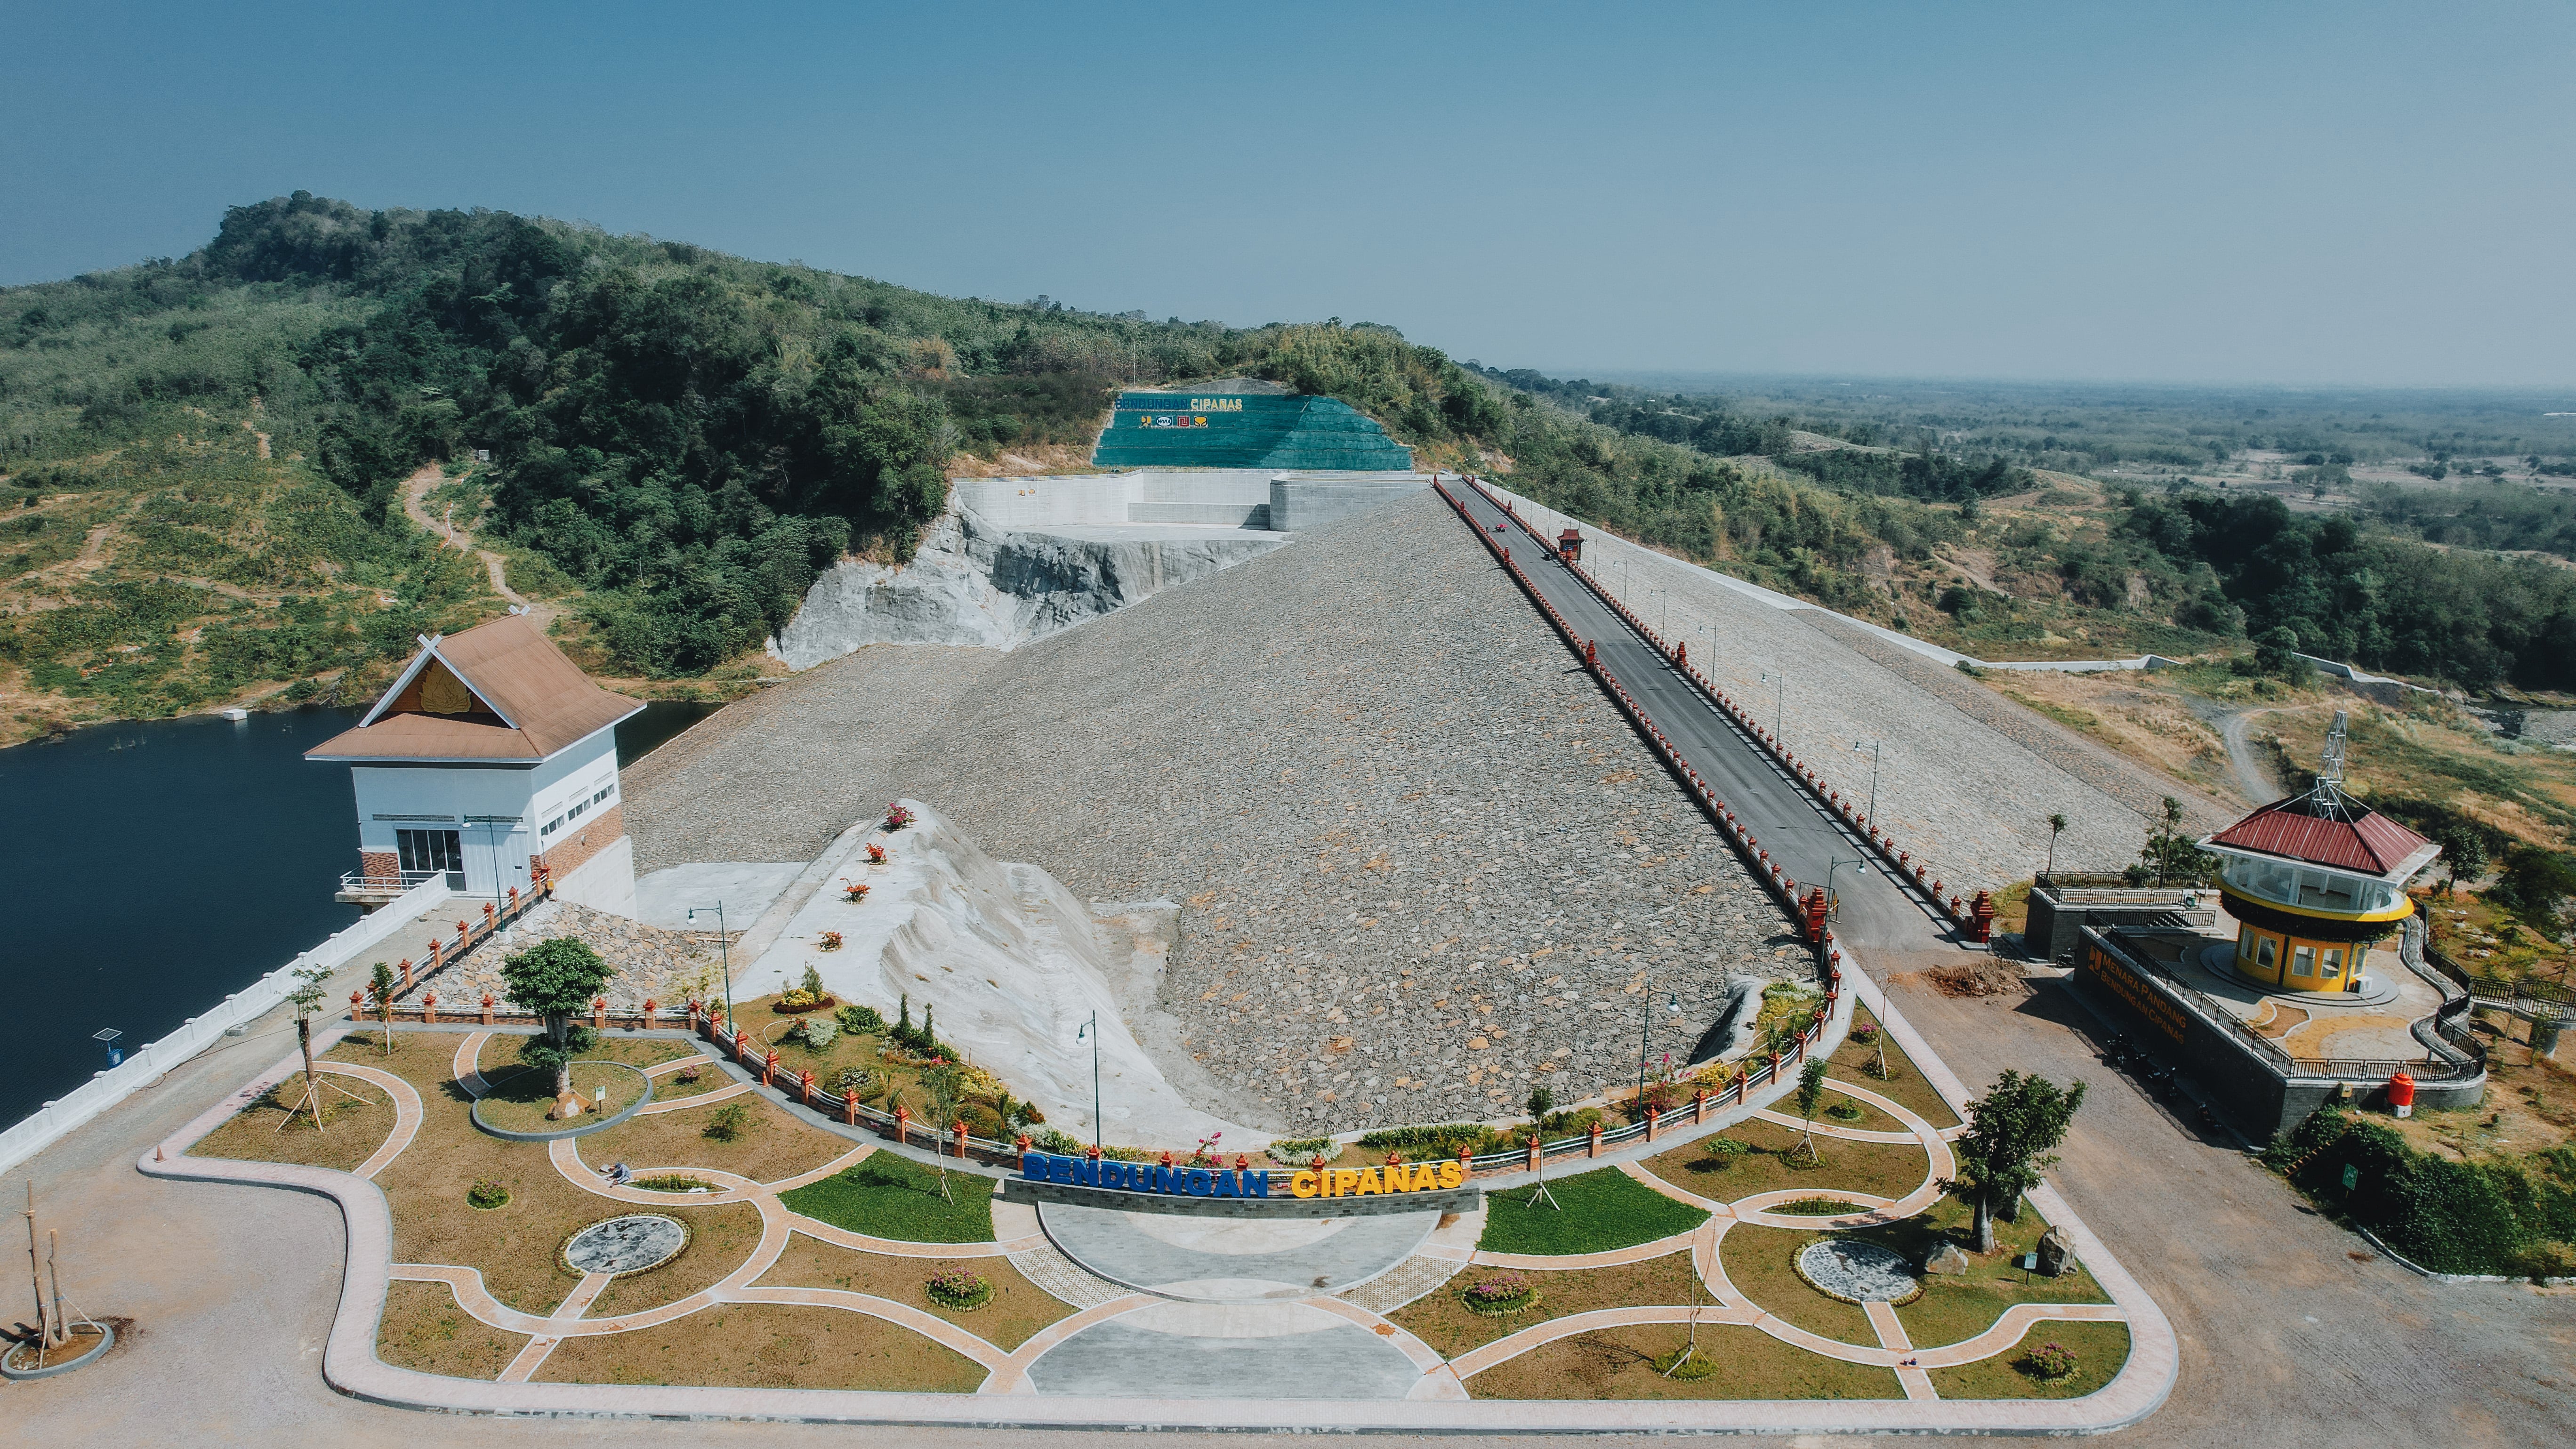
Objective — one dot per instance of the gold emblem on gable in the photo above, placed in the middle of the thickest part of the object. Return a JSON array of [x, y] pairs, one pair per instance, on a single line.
[[441, 692]]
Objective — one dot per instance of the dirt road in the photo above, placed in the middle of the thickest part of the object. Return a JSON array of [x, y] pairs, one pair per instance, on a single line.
[[417, 488]]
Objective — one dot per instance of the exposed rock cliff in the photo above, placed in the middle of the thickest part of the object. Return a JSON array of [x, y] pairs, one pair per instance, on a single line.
[[975, 584]]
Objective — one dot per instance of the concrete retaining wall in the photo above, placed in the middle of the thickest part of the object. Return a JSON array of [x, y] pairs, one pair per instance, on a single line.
[[1300, 501], [104, 1090]]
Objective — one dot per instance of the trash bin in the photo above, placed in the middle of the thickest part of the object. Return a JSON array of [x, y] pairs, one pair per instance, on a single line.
[[2401, 1094]]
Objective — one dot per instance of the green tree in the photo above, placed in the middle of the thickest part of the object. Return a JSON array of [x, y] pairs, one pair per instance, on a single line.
[[2537, 885], [555, 980], [2056, 827], [2276, 651], [380, 985], [2013, 1132], [2171, 857], [1811, 1091]]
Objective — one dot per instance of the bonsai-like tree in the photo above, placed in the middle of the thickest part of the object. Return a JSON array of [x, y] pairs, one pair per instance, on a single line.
[[1811, 1090], [2012, 1134], [555, 979], [2056, 827], [1541, 1102]]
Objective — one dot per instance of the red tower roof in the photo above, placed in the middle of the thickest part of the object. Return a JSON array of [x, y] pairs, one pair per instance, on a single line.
[[2300, 829]]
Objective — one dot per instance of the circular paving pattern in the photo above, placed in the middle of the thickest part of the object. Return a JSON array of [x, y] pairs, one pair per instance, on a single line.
[[626, 1245], [1857, 1272]]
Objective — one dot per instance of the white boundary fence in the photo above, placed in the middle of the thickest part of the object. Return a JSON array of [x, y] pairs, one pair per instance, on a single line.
[[56, 1119]]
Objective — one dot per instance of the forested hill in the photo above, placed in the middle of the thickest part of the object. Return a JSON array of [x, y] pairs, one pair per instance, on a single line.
[[203, 457]]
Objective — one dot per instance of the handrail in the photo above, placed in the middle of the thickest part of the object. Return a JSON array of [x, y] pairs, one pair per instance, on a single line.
[[1910, 874], [400, 880], [2447, 1064]]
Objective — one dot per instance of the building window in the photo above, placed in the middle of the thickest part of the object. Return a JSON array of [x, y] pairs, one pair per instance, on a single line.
[[2245, 943], [2303, 961], [427, 851], [604, 792], [2334, 963], [2266, 952]]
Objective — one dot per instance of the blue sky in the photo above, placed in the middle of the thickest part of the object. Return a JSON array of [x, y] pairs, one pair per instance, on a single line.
[[2232, 193]]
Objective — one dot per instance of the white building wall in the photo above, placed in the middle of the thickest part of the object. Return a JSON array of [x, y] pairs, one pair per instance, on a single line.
[[499, 811]]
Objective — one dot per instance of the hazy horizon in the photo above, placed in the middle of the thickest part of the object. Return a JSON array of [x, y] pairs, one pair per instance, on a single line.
[[2196, 195]]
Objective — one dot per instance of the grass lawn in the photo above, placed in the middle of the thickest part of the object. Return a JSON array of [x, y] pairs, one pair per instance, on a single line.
[[522, 1098], [772, 1145], [515, 1246], [500, 1053], [1904, 1085], [1776, 1162], [1756, 1260], [768, 1346], [350, 1132], [1952, 1309], [424, 1329], [1616, 1363], [668, 1087], [1596, 1211], [1439, 1319], [1871, 1119], [1018, 1309], [888, 1196], [2099, 1349]]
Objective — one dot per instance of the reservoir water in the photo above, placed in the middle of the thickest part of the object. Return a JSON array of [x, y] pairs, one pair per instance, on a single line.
[[154, 867]]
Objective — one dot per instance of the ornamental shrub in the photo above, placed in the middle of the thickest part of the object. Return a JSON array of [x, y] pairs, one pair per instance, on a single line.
[[860, 1020]]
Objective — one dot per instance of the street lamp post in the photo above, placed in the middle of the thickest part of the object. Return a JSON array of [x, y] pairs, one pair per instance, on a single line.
[[1873, 779], [724, 957], [1091, 1029], [1859, 867], [1779, 701]]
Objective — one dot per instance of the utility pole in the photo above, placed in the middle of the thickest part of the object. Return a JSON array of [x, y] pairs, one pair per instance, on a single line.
[[1779, 701]]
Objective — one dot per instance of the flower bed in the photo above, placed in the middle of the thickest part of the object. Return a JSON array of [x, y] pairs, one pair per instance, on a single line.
[[673, 1182], [1499, 1295], [959, 1292], [1825, 1207]]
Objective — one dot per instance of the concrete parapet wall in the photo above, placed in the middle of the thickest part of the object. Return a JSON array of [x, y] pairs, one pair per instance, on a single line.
[[1218, 515], [1300, 501]]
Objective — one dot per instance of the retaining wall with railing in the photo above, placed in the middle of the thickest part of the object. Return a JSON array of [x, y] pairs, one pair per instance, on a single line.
[[56, 1119], [1898, 859]]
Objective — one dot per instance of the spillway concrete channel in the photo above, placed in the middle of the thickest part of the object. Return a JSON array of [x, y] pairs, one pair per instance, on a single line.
[[1752, 796]]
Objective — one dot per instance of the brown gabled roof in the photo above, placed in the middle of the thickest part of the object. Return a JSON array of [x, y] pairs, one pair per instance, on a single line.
[[524, 701], [2354, 839]]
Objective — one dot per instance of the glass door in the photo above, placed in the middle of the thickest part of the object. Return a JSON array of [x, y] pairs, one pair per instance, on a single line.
[[432, 850]]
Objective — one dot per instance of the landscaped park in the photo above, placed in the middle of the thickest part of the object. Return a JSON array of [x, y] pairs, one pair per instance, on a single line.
[[712, 1235]]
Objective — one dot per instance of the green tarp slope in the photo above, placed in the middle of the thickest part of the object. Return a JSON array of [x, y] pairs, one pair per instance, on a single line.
[[1243, 430]]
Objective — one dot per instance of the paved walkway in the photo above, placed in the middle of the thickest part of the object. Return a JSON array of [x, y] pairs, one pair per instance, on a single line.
[[1185, 1320]]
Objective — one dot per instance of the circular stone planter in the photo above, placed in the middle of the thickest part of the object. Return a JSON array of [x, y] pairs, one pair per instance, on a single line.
[[1854, 1271], [10, 1367], [636, 1243], [582, 1129]]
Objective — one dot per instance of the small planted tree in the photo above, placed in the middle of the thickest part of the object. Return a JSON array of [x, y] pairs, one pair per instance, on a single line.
[[380, 984], [1811, 1091], [1541, 1102], [2056, 827], [306, 997], [2013, 1132], [940, 1088], [555, 980]]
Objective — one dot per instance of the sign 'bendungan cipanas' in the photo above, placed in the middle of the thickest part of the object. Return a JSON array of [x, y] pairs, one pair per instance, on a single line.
[[1395, 1177]]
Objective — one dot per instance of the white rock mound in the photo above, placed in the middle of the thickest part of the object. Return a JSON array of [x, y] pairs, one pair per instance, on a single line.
[[1011, 964], [977, 584]]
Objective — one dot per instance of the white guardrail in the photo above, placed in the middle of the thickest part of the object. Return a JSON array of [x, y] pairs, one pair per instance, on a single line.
[[57, 1119]]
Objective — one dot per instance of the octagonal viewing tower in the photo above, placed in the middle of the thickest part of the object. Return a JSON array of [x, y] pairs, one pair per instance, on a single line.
[[2312, 880]]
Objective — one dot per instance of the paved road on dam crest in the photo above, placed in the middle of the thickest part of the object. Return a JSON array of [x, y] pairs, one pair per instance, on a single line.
[[1787, 821]]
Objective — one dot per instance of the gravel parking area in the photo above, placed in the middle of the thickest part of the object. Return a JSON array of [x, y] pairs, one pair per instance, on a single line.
[[1423, 863]]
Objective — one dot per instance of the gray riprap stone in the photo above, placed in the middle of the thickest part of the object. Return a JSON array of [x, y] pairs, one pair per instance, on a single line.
[[1424, 865], [1860, 1271], [629, 1244]]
